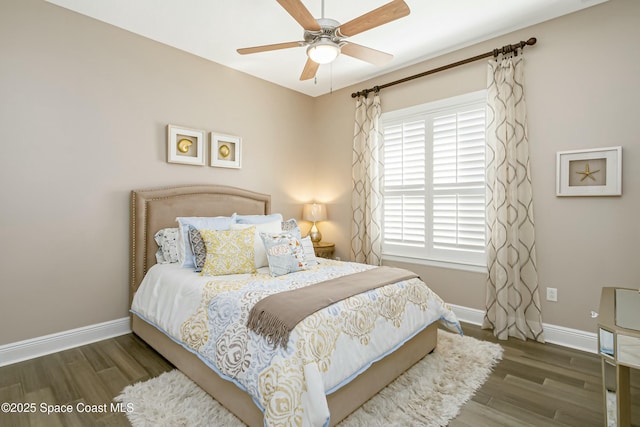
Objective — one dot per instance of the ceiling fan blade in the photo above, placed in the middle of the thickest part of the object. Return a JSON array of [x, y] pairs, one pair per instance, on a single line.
[[301, 14], [310, 70], [382, 15], [268, 47], [366, 54]]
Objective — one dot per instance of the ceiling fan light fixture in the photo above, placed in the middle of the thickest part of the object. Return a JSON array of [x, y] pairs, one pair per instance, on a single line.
[[323, 51]]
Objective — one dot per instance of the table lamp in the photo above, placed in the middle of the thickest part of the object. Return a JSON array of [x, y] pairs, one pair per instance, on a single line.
[[314, 212]]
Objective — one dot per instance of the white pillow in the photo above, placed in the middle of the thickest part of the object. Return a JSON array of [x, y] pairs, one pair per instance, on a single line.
[[259, 250], [257, 219]]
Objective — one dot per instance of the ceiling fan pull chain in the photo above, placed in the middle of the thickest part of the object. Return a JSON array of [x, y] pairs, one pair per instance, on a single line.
[[331, 79]]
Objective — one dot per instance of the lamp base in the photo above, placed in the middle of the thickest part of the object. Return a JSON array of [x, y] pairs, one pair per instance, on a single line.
[[314, 234]]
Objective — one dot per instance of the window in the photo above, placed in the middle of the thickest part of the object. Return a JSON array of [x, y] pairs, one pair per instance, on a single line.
[[434, 181]]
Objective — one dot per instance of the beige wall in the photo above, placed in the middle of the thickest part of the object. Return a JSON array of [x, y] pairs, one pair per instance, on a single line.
[[582, 92], [83, 111]]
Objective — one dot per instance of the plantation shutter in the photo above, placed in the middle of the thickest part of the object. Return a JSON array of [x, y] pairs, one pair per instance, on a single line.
[[434, 181], [458, 180], [404, 183]]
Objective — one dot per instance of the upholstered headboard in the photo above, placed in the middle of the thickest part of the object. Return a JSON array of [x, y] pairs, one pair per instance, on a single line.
[[154, 209]]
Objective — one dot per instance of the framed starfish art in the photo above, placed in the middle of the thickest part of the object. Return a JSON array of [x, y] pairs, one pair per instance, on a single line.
[[593, 172]]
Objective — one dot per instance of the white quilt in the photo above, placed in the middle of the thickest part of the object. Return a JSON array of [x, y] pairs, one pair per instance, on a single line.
[[325, 351]]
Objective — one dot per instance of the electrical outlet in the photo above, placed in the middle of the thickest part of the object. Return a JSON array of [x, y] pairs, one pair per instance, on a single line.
[[552, 294]]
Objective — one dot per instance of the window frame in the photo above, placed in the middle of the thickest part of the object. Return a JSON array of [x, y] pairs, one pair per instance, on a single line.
[[427, 254]]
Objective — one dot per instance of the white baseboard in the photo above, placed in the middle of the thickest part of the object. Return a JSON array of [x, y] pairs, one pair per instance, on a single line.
[[566, 337], [35, 347], [40, 346], [572, 338]]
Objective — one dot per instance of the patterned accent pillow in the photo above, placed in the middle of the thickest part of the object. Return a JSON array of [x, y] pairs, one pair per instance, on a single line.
[[198, 248], [285, 253], [229, 252], [185, 256], [289, 225], [167, 241], [309, 252]]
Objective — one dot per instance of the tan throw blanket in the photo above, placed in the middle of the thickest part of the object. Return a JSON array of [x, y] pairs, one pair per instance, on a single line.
[[276, 315]]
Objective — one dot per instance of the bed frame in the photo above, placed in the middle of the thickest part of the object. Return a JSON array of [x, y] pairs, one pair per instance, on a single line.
[[158, 208]]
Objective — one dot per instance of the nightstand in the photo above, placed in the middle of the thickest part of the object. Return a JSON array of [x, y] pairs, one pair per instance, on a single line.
[[324, 249]]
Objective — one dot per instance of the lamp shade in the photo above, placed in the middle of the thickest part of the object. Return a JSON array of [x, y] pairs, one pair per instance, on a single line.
[[314, 212]]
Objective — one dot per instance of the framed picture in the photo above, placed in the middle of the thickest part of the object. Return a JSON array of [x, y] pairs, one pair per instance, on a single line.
[[226, 151], [185, 145], [594, 172]]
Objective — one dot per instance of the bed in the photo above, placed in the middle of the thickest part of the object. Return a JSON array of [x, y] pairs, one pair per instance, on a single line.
[[157, 209]]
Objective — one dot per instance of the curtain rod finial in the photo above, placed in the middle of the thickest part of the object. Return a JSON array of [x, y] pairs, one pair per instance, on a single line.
[[531, 41]]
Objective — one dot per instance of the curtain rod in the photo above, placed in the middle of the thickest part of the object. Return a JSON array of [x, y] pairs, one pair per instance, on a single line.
[[495, 52]]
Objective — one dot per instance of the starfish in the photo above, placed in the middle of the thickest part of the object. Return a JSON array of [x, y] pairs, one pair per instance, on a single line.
[[587, 173]]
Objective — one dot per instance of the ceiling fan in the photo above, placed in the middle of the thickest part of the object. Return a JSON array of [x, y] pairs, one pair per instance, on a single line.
[[325, 38]]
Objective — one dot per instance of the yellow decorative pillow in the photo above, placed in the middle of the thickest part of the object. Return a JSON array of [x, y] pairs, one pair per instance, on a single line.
[[229, 251]]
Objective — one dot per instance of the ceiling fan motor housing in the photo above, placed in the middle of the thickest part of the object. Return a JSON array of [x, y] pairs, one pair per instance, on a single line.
[[328, 32]]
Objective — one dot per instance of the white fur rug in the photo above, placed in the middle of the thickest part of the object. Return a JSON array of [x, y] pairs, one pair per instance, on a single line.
[[429, 394]]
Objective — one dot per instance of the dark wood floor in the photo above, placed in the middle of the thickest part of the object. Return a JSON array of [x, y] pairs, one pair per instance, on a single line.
[[534, 385], [540, 385]]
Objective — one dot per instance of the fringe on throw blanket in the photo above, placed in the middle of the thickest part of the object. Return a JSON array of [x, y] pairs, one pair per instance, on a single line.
[[271, 327]]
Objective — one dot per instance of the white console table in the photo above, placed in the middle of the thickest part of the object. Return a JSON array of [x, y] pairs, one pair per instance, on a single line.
[[619, 347]]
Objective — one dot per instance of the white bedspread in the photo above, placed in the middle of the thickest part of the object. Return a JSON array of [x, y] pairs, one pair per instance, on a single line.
[[207, 315]]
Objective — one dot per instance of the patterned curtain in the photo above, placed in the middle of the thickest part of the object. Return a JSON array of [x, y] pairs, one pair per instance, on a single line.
[[512, 294], [366, 201]]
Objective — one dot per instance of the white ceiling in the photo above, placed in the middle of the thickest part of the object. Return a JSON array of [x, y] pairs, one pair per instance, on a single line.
[[214, 29]]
